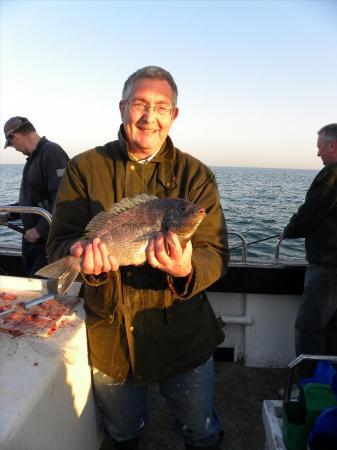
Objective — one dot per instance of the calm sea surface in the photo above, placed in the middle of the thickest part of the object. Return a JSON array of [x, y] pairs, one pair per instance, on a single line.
[[257, 203]]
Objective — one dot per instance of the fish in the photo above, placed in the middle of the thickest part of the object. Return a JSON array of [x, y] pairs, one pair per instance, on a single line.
[[126, 229]]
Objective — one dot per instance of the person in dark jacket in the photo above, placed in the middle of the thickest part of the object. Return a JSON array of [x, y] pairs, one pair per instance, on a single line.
[[316, 221], [168, 331], [42, 173]]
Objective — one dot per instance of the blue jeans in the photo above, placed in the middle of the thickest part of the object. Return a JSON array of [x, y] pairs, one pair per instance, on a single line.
[[316, 322], [124, 407]]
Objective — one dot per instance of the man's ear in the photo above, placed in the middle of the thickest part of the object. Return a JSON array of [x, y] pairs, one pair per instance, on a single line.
[[333, 147], [122, 106], [175, 113]]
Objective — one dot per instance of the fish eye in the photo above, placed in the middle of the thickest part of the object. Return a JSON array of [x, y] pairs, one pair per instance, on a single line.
[[182, 209]]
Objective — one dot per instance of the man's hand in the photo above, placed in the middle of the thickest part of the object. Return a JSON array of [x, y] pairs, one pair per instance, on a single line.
[[32, 235], [95, 257], [172, 258]]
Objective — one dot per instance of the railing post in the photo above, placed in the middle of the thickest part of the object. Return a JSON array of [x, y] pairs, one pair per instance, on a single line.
[[244, 245], [277, 249]]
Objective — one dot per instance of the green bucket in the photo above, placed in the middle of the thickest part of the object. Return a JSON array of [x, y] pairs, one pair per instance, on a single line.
[[294, 427], [299, 416]]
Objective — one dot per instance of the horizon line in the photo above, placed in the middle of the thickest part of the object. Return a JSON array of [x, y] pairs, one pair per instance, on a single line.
[[210, 165]]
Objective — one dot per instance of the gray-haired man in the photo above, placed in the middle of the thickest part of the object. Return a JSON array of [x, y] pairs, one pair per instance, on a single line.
[[316, 221], [168, 331]]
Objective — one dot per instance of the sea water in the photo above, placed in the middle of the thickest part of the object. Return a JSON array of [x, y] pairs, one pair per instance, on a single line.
[[257, 203]]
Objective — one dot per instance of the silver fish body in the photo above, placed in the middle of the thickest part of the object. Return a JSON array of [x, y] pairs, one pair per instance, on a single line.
[[126, 229]]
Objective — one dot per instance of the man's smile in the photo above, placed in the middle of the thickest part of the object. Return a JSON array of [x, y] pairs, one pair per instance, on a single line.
[[146, 130]]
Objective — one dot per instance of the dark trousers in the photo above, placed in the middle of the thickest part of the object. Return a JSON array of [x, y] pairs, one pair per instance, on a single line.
[[316, 322], [34, 257]]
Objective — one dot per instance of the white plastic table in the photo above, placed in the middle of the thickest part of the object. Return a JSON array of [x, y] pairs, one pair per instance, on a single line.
[[46, 400]]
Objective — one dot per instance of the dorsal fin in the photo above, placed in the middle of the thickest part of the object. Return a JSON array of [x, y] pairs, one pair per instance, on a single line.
[[101, 218]]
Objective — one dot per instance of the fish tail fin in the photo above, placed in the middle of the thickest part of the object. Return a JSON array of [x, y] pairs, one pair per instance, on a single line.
[[65, 270]]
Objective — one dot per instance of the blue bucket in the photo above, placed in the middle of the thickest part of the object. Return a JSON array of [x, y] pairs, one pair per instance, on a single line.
[[324, 433], [325, 373]]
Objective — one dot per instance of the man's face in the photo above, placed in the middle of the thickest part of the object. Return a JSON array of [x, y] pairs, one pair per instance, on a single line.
[[17, 141], [325, 149], [147, 130]]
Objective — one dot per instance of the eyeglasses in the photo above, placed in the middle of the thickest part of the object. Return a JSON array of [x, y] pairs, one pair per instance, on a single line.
[[138, 107]]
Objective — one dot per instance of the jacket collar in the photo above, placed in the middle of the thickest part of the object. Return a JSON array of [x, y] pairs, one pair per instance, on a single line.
[[164, 157], [41, 142]]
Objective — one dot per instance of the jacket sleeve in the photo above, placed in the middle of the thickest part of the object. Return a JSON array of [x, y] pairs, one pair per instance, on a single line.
[[71, 214], [53, 165], [320, 200], [210, 243]]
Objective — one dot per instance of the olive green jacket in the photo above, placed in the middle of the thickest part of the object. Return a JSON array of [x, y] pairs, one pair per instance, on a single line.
[[316, 219], [163, 326]]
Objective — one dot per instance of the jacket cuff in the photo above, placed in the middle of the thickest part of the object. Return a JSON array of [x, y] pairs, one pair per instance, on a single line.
[[95, 280], [289, 232], [180, 285], [43, 228]]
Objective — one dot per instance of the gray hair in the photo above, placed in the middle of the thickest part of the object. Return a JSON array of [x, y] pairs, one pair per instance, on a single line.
[[329, 132], [150, 72]]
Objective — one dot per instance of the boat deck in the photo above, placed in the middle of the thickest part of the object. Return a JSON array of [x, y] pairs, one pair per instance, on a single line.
[[240, 392]]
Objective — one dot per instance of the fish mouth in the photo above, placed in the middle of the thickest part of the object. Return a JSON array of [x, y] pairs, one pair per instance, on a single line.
[[186, 232], [202, 213]]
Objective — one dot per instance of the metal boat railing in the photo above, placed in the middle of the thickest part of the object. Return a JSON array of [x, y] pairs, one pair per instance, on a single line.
[[46, 214], [245, 244], [27, 210], [48, 217], [8, 250]]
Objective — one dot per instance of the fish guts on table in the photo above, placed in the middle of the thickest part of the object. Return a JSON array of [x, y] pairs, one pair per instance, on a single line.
[[40, 320], [126, 229]]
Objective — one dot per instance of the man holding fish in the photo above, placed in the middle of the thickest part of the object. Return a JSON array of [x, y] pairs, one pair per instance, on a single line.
[[142, 222]]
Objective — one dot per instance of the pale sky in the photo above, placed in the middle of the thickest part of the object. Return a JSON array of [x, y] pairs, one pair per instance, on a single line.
[[256, 79]]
